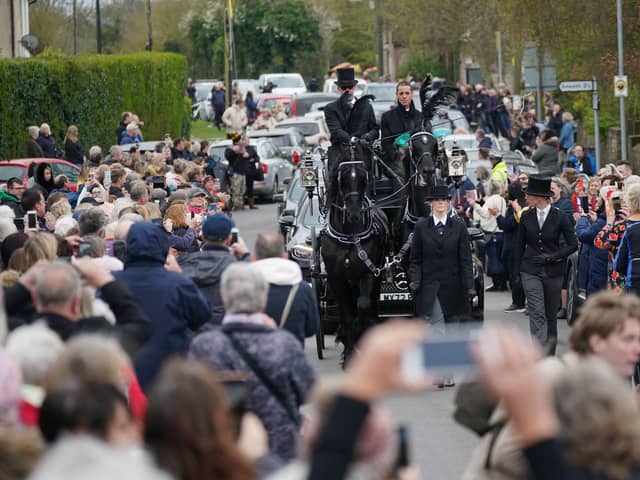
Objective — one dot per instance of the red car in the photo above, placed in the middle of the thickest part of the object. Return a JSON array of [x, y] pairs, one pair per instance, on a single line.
[[20, 167], [268, 100]]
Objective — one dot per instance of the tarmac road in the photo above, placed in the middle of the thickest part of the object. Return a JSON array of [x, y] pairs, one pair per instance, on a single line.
[[440, 446]]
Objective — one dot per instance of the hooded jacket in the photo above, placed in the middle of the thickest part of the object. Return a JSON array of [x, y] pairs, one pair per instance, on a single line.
[[12, 202], [546, 157], [205, 269], [303, 319], [171, 300]]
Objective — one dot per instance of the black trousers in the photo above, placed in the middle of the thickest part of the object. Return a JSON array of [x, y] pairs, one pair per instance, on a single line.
[[543, 303]]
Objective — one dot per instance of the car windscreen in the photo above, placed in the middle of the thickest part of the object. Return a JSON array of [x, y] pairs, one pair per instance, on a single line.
[[312, 217], [10, 171], [382, 93], [279, 141], [286, 82], [66, 170], [303, 105], [295, 190], [271, 102]]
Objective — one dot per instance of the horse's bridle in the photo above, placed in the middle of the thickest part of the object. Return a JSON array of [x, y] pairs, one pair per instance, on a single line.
[[416, 162], [352, 164]]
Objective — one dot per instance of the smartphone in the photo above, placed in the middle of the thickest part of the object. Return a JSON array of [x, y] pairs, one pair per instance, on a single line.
[[120, 250], [19, 223], [234, 235], [156, 221], [213, 209], [438, 355], [237, 393], [584, 203], [402, 432], [616, 202], [107, 177], [192, 215], [620, 185], [84, 249], [32, 220]]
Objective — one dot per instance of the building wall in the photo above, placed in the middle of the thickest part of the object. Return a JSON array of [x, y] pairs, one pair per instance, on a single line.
[[21, 27]]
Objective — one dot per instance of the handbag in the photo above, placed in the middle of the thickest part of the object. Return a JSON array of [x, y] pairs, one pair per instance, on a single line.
[[255, 172], [264, 378]]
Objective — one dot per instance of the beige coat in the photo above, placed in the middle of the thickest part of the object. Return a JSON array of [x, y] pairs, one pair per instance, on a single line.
[[235, 119], [506, 461]]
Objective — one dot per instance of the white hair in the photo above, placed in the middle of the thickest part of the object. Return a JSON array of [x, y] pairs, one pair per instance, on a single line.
[[45, 126], [33, 131], [64, 225], [7, 227], [78, 457], [7, 212], [243, 289], [95, 150], [34, 348]]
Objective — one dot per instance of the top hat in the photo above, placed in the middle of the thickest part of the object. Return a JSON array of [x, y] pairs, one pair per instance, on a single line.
[[346, 77], [539, 186], [438, 192]]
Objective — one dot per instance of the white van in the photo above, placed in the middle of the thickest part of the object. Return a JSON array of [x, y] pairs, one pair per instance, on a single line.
[[284, 83]]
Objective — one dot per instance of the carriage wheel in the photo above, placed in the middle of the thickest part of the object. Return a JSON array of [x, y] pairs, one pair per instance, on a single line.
[[315, 271]]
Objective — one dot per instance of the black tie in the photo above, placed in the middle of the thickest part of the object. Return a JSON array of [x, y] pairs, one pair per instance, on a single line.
[[440, 228]]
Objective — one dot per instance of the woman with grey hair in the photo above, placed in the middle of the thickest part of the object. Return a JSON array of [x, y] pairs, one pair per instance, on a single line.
[[33, 149], [279, 375], [47, 142]]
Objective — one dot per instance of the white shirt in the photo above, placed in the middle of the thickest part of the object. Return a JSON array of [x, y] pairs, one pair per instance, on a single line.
[[544, 212], [442, 220]]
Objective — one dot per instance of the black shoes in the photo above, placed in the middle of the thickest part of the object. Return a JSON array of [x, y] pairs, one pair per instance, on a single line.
[[515, 308]]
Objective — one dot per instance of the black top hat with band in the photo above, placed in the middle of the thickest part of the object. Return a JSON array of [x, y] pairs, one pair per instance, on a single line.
[[346, 77], [438, 192], [539, 186]]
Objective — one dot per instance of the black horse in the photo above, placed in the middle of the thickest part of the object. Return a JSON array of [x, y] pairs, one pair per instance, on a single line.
[[353, 246]]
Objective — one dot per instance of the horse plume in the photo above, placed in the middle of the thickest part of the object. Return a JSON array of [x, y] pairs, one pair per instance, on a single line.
[[433, 98]]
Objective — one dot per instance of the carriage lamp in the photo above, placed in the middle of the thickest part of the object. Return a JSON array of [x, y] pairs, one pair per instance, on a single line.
[[308, 174], [457, 163]]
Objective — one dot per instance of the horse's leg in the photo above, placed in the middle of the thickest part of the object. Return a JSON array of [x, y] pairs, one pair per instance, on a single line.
[[366, 304]]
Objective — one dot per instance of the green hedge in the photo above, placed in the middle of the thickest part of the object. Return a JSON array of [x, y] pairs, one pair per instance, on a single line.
[[91, 92]]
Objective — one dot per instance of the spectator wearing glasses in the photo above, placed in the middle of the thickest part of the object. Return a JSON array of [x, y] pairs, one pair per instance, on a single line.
[[12, 195]]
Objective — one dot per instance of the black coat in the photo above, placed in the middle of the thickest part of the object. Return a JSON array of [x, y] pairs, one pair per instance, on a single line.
[[73, 152], [48, 145], [537, 250], [441, 266], [238, 163], [34, 150], [344, 123], [396, 122]]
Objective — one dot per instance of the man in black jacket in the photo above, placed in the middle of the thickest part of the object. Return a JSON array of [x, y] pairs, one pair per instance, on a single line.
[[540, 257], [404, 118], [347, 118], [55, 289]]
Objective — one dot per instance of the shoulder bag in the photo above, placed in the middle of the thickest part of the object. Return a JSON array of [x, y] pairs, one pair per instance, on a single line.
[[287, 306], [264, 379]]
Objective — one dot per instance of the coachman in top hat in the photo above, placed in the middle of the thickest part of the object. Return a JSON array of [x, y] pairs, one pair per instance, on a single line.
[[347, 117]]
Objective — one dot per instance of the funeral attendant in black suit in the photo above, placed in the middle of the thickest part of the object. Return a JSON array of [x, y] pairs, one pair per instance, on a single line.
[[540, 257], [348, 118], [404, 118], [441, 269]]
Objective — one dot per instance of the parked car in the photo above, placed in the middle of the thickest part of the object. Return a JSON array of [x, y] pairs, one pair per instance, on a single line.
[[289, 140], [248, 85], [274, 166], [385, 97], [202, 109], [283, 83], [314, 131], [19, 168], [301, 103], [269, 100]]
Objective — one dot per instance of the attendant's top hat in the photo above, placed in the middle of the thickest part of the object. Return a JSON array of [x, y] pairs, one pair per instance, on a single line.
[[346, 77], [539, 186], [438, 192]]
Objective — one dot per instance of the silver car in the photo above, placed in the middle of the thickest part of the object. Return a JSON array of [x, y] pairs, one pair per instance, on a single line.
[[274, 166]]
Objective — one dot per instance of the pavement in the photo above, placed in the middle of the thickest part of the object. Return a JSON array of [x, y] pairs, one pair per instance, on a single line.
[[438, 445]]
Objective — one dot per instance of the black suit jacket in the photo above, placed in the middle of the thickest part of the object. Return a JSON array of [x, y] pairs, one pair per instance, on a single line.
[[538, 250], [441, 265], [345, 122], [396, 122]]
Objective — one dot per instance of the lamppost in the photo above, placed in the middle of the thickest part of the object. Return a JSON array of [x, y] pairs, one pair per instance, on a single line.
[[147, 8], [98, 27]]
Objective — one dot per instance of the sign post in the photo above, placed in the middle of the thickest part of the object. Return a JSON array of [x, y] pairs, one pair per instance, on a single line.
[[588, 86]]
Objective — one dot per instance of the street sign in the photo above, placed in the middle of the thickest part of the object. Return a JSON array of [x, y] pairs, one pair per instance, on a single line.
[[620, 85], [576, 86]]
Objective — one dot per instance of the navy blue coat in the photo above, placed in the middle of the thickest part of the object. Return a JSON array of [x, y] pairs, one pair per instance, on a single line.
[[171, 300], [303, 320], [598, 260]]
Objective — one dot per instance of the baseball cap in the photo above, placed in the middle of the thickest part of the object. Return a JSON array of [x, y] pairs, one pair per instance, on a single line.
[[217, 226]]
